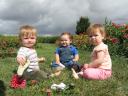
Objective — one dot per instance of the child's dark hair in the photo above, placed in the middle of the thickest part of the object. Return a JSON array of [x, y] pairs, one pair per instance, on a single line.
[[67, 33], [64, 33]]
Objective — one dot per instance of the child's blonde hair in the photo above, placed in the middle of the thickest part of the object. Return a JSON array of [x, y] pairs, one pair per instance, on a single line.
[[94, 27], [27, 30]]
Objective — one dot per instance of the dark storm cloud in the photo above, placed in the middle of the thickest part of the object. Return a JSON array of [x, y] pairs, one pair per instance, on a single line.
[[56, 16]]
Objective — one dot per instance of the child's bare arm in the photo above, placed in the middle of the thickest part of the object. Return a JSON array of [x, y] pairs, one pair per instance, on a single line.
[[97, 62], [76, 58], [57, 58]]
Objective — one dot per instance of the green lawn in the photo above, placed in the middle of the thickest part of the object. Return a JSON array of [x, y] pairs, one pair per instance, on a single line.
[[117, 85]]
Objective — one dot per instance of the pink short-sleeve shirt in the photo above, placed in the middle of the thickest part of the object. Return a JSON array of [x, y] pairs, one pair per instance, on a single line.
[[107, 59]]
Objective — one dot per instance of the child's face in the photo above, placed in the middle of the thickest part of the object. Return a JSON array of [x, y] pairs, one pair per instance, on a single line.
[[28, 41], [96, 37], [65, 40]]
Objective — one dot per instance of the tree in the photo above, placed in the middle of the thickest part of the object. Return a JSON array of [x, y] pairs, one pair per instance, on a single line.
[[82, 25]]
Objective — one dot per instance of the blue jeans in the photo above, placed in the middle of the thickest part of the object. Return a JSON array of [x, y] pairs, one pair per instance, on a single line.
[[67, 64]]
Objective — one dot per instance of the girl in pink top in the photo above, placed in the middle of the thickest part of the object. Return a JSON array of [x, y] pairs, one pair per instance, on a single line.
[[100, 66]]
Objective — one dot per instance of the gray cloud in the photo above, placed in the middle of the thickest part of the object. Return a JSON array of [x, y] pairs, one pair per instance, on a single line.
[[56, 16]]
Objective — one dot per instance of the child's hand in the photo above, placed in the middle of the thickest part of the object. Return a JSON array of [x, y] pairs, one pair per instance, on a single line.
[[42, 59], [21, 60], [85, 66]]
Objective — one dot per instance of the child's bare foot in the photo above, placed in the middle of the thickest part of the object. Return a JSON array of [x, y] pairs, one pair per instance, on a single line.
[[80, 73], [42, 59], [74, 74], [55, 74]]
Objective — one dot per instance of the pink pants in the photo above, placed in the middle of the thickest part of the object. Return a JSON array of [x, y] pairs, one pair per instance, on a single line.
[[96, 73]]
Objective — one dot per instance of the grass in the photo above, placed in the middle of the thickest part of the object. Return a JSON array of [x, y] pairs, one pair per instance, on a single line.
[[117, 85]]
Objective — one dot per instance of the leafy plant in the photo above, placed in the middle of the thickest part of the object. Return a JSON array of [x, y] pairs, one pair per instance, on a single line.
[[117, 38], [81, 41], [8, 46]]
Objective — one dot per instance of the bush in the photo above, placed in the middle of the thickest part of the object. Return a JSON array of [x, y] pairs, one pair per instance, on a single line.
[[117, 38], [47, 39], [81, 41], [8, 46]]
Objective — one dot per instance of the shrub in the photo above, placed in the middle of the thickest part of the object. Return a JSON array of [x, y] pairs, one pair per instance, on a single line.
[[81, 41], [8, 46], [117, 38], [47, 39]]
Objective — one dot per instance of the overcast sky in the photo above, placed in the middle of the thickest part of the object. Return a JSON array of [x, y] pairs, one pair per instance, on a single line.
[[56, 16]]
